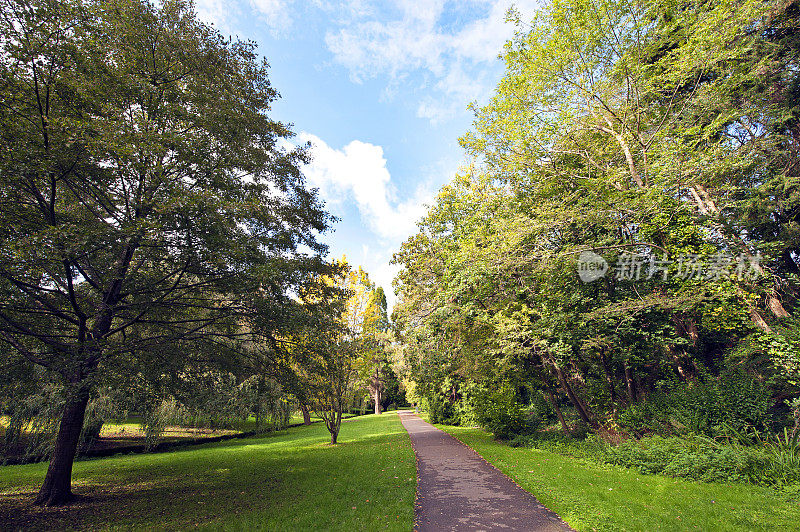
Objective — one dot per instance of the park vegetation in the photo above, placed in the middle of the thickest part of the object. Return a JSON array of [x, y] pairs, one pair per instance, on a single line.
[[159, 247], [659, 143]]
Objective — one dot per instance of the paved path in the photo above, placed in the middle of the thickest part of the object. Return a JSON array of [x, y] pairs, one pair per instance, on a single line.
[[459, 490]]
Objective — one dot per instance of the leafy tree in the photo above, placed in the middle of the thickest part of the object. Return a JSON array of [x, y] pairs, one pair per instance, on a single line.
[[648, 129], [144, 199], [375, 364], [327, 349]]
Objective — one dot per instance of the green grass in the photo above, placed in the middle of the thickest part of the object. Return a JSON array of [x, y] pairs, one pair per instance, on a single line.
[[590, 496], [289, 480]]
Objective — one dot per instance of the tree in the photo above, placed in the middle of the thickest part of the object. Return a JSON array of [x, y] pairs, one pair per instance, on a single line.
[[144, 198], [376, 325], [634, 130], [326, 348]]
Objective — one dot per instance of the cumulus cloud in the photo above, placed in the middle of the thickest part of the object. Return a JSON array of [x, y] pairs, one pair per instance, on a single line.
[[358, 172], [430, 38], [275, 14], [217, 12]]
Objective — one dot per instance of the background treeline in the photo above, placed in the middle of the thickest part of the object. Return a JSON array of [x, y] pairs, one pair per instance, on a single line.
[[660, 135]]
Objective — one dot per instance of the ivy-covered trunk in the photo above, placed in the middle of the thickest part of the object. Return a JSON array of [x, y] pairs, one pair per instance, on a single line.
[[56, 489]]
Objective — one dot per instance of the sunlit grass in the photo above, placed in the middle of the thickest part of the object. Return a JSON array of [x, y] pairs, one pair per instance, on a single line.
[[288, 480]]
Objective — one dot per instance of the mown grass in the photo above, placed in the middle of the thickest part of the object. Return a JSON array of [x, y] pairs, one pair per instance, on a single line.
[[289, 480], [591, 496]]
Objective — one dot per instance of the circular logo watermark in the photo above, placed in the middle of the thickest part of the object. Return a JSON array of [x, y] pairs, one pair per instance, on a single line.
[[591, 266]]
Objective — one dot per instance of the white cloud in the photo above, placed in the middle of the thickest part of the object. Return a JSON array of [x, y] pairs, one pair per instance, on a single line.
[[427, 38], [358, 171], [217, 12], [274, 13]]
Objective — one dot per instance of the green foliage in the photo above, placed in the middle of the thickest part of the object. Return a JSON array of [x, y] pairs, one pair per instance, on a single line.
[[33, 422], [693, 458], [649, 133], [735, 399], [440, 410], [500, 413], [164, 413], [770, 462], [101, 408], [784, 454]]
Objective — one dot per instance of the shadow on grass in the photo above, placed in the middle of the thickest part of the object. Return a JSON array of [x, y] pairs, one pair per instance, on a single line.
[[212, 483]]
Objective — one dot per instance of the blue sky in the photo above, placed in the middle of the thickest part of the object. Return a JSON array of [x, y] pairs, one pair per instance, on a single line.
[[380, 89]]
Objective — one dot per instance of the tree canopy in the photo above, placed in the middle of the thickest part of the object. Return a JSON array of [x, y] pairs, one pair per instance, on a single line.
[[147, 204], [661, 141]]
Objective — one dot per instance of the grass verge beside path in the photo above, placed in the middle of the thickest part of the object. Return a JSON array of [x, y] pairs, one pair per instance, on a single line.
[[290, 480], [589, 496]]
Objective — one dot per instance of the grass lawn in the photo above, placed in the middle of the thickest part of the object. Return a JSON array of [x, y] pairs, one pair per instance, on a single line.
[[288, 480], [595, 497]]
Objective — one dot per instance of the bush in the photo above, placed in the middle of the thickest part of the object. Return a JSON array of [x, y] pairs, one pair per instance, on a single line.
[[734, 400], [501, 414], [441, 411], [774, 463], [695, 458], [167, 412]]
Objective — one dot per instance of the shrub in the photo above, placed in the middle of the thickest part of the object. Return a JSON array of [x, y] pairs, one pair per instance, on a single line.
[[441, 410], [784, 454], [773, 463], [501, 414], [167, 412], [734, 399], [697, 458]]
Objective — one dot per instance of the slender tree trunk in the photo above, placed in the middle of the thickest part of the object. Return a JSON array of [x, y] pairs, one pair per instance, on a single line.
[[579, 406], [378, 405], [306, 414], [56, 489], [629, 384], [554, 403], [337, 424], [609, 378]]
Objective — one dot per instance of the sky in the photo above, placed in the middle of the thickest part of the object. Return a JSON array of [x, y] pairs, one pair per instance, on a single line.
[[380, 89]]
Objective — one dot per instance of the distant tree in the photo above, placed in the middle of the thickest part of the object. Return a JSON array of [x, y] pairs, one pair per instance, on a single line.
[[145, 200], [374, 363]]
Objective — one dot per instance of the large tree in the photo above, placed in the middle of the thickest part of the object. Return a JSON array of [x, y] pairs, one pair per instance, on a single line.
[[145, 198], [653, 130]]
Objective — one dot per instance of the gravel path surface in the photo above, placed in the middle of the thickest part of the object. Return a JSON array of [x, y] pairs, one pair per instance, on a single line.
[[459, 490]]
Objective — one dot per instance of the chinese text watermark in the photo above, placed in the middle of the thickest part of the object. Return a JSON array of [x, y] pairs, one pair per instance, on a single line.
[[636, 266]]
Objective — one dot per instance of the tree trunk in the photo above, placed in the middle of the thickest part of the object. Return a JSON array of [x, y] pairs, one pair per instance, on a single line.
[[56, 489], [629, 384], [609, 378], [306, 414], [579, 406], [554, 404], [336, 424], [376, 384]]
